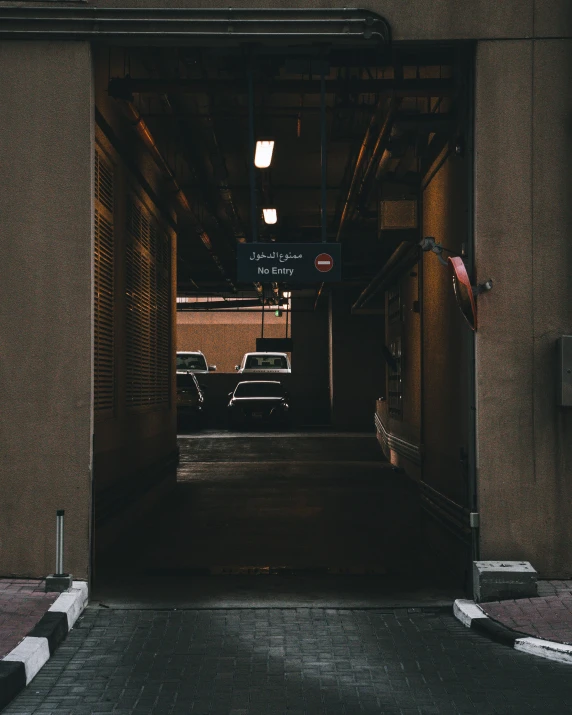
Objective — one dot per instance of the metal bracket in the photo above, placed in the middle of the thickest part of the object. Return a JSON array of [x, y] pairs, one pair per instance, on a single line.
[[429, 244], [483, 287]]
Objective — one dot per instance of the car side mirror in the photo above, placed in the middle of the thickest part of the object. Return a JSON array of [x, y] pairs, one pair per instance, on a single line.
[[237, 367], [212, 368], [230, 394]]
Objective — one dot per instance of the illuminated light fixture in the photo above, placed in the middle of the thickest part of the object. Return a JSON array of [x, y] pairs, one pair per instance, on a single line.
[[286, 294], [263, 153], [270, 215]]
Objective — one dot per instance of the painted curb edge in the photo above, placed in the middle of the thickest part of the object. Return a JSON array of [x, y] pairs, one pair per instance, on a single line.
[[472, 616], [23, 662]]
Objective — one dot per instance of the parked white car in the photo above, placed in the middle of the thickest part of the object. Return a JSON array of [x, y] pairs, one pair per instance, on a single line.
[[264, 362], [193, 362]]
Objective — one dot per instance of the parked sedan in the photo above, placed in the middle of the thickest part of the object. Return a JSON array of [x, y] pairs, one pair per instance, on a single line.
[[190, 400], [258, 404]]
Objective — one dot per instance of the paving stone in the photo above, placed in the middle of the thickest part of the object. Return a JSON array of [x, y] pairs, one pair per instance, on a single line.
[[414, 662]]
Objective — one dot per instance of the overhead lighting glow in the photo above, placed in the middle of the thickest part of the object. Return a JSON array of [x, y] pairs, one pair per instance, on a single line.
[[286, 294], [263, 154], [270, 215]]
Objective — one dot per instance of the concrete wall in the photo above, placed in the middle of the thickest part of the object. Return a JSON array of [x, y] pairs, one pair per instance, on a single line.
[[225, 337], [523, 229], [523, 225], [135, 449], [407, 328], [46, 139]]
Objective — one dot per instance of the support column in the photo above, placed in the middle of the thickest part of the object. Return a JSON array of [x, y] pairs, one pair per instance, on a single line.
[[522, 237], [309, 386], [46, 149], [357, 368]]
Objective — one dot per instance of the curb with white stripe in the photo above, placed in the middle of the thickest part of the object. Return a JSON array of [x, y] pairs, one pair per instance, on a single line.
[[472, 616], [25, 661]]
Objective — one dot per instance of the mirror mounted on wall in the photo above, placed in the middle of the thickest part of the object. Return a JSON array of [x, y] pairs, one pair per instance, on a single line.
[[465, 293]]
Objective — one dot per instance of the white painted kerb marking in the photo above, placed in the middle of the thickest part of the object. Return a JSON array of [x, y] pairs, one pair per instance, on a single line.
[[71, 602], [33, 652], [545, 649], [466, 611]]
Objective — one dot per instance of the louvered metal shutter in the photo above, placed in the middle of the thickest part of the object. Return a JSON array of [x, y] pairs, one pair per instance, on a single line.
[[104, 373], [148, 308]]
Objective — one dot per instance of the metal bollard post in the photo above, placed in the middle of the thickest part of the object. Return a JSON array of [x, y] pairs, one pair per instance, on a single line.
[[59, 542], [59, 581]]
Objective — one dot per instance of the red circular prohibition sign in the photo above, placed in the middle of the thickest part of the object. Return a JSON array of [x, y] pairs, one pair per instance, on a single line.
[[324, 262]]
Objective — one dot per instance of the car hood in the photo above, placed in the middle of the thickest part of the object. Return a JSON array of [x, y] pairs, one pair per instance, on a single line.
[[257, 403]]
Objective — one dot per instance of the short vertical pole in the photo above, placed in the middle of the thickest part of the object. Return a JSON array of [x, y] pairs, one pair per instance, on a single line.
[[59, 542], [323, 152], [253, 215]]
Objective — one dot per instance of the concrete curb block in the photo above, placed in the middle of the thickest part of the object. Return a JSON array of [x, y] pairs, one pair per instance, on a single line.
[[472, 616], [24, 662]]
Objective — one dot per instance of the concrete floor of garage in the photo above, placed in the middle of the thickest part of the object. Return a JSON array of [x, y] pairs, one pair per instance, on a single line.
[[270, 519]]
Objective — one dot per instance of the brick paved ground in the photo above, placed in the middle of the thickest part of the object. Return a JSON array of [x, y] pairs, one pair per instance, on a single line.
[[549, 616], [22, 604], [289, 662]]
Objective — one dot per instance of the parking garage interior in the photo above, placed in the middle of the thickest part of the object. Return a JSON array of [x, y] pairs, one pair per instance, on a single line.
[[374, 477]]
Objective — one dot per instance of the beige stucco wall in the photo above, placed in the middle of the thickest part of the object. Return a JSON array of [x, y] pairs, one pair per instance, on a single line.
[[523, 229], [523, 225], [46, 118]]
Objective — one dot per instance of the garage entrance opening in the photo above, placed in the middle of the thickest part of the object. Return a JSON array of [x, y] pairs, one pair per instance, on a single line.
[[199, 150]]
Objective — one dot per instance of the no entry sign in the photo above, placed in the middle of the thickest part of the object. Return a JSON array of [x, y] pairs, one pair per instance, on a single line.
[[292, 263], [324, 262]]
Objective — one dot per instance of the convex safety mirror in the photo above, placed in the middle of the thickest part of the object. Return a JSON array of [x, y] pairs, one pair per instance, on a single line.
[[463, 291]]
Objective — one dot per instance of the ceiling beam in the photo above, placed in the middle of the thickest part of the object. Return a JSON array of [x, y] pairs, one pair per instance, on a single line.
[[125, 87]]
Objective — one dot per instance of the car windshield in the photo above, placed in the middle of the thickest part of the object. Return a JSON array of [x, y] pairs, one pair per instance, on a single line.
[[259, 389], [187, 382], [189, 361], [266, 362]]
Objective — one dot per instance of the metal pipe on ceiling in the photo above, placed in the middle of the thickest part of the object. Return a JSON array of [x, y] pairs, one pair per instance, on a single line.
[[358, 165], [274, 111], [323, 157], [125, 87], [379, 144]]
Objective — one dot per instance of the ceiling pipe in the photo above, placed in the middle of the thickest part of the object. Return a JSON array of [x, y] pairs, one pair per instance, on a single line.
[[146, 136], [380, 144], [388, 152], [359, 162], [124, 87]]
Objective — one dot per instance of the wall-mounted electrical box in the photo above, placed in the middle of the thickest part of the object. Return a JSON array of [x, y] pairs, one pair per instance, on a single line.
[[564, 371]]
